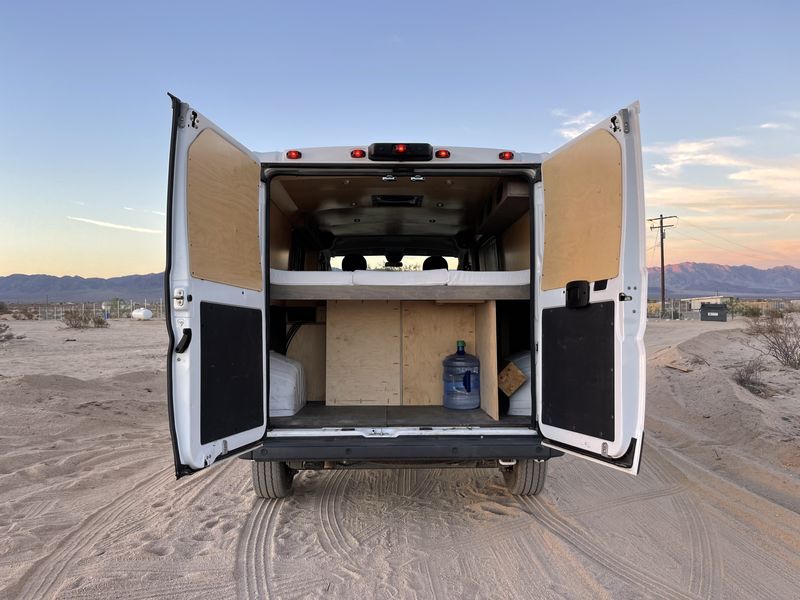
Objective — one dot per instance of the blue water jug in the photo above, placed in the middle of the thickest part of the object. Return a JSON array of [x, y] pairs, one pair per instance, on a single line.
[[462, 379]]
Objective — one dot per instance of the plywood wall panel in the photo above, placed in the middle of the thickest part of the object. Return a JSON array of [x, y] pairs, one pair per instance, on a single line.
[[430, 332], [308, 348], [486, 351], [280, 238], [363, 348], [516, 244]]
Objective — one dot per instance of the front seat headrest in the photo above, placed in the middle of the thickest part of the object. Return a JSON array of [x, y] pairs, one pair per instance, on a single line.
[[434, 262], [354, 262]]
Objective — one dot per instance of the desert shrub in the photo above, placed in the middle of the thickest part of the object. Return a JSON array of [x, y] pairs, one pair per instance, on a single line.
[[4, 308], [748, 376], [5, 333], [780, 335], [99, 321], [750, 311], [75, 319]]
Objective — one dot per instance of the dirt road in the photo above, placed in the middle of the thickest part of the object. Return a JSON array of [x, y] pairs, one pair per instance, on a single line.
[[89, 507]]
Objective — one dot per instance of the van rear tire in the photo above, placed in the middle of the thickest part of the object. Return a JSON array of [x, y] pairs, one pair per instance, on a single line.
[[271, 479], [526, 477]]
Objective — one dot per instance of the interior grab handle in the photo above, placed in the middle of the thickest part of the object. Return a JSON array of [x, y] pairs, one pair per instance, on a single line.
[[183, 344]]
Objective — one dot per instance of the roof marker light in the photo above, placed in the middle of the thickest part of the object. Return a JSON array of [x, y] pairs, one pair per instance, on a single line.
[[400, 148], [506, 155], [358, 153], [293, 154], [443, 153]]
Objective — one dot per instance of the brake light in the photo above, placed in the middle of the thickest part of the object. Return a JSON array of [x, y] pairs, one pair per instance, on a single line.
[[443, 154], [358, 153], [506, 155], [293, 154], [400, 148]]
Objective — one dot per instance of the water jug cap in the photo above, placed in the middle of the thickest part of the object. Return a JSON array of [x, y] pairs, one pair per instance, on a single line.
[[461, 344]]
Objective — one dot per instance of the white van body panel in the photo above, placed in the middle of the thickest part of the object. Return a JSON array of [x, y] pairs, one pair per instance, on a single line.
[[630, 321]]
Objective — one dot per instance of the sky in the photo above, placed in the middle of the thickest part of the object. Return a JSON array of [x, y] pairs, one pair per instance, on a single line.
[[84, 141]]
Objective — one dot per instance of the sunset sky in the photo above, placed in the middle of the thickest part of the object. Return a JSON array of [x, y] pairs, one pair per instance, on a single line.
[[85, 135]]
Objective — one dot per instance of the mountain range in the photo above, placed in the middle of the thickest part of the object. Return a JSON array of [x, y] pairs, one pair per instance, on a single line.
[[683, 280], [689, 279]]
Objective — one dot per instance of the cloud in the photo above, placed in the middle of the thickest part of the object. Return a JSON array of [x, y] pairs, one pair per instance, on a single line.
[[785, 126], [705, 152], [779, 178], [114, 225], [574, 125], [145, 210]]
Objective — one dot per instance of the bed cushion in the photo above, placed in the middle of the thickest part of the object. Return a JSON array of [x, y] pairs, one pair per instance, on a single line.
[[281, 277], [483, 278], [417, 278]]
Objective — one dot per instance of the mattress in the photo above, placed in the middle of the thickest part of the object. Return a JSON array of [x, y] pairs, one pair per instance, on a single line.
[[401, 278], [415, 278], [483, 278], [281, 277]]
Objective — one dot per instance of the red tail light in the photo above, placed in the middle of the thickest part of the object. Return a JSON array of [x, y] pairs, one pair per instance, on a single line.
[[506, 155], [443, 154], [400, 148], [293, 154], [358, 153]]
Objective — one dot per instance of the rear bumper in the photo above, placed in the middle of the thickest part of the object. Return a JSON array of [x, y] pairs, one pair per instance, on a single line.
[[410, 448]]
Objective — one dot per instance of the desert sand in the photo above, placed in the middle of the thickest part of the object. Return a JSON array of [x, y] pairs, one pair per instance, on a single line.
[[89, 507]]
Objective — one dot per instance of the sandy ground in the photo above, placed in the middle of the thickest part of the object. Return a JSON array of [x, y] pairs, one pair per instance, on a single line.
[[89, 507]]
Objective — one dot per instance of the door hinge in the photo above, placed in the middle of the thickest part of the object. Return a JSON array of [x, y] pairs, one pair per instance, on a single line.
[[626, 121]]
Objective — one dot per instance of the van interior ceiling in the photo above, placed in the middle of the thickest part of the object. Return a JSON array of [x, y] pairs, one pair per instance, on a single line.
[[371, 349]]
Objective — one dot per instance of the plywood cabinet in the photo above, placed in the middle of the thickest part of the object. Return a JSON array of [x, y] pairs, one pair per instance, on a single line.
[[390, 353]]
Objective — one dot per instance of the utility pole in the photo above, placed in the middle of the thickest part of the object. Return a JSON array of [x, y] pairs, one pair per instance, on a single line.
[[661, 236]]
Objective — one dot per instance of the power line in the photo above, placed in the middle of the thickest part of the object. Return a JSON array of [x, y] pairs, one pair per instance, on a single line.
[[726, 240], [685, 235]]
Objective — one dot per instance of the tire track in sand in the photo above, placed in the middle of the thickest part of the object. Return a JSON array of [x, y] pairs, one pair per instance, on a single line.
[[250, 569], [43, 578], [596, 552], [705, 567]]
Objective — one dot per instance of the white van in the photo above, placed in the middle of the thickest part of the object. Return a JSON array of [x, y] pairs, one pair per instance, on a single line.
[[312, 256]]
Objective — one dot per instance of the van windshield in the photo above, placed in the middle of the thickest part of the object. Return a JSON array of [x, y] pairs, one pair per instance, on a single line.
[[409, 263]]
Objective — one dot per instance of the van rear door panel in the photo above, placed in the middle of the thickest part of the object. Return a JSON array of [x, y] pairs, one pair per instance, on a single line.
[[215, 289], [591, 294]]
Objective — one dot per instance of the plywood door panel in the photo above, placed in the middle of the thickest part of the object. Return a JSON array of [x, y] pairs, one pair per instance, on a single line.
[[222, 211], [308, 348], [583, 211], [486, 351], [430, 332], [363, 352]]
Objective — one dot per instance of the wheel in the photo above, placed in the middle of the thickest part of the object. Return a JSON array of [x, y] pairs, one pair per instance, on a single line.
[[526, 478], [271, 479]]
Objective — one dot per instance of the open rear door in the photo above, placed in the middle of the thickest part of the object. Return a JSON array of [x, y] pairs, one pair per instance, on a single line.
[[215, 292], [591, 294]]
